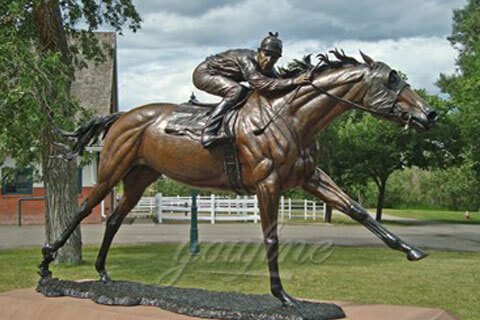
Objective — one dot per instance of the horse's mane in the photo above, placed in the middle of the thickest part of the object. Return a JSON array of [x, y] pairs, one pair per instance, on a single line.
[[296, 66]]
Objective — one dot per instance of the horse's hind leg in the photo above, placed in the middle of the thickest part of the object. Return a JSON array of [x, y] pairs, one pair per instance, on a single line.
[[322, 186], [98, 193], [49, 250], [134, 183]]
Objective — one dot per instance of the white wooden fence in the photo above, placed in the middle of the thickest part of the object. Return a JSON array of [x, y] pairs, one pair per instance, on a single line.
[[215, 208]]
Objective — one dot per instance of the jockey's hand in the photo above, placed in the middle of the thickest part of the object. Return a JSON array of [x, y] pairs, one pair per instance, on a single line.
[[302, 79]]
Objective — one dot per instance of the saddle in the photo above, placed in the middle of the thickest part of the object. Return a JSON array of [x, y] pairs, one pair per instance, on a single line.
[[191, 118]]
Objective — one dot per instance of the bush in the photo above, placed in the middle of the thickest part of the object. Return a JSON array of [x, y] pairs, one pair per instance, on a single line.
[[455, 188]]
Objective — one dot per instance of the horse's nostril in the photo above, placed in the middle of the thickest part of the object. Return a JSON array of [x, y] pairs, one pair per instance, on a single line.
[[432, 116]]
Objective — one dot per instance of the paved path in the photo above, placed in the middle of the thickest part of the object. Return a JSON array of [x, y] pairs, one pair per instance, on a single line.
[[435, 236]]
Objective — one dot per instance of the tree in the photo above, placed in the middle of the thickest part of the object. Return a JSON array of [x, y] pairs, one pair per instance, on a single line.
[[463, 87], [38, 58]]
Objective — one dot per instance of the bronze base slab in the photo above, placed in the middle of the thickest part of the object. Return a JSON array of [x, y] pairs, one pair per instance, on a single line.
[[193, 302]]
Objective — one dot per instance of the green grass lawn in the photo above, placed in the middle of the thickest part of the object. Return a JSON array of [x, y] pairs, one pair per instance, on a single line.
[[441, 216], [447, 280], [423, 216]]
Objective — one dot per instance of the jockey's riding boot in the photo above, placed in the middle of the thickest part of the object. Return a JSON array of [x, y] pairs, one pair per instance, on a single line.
[[210, 134]]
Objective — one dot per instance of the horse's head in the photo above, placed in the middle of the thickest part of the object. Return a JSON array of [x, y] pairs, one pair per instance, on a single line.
[[389, 96]]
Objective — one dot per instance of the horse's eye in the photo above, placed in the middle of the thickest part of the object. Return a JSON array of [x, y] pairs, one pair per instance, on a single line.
[[393, 80]]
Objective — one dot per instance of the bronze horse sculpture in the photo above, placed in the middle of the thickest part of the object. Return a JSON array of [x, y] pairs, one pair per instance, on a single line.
[[275, 143]]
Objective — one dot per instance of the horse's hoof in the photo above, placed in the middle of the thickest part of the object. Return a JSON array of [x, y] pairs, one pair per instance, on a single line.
[[48, 256], [104, 277], [292, 303], [416, 254], [44, 281], [45, 274], [287, 300]]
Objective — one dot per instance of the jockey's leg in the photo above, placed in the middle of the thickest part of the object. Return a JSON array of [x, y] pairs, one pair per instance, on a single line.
[[210, 132], [232, 93], [235, 93]]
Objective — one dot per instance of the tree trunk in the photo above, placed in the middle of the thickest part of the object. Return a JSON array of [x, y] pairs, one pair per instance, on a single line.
[[328, 214], [61, 191], [48, 20], [382, 185], [60, 177]]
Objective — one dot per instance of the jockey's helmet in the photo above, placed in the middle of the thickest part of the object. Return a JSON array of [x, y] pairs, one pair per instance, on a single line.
[[272, 43]]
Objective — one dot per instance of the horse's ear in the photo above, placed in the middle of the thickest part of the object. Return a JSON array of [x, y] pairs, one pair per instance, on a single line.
[[366, 58]]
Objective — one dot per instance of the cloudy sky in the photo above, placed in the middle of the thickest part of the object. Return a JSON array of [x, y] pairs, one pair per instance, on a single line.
[[155, 64]]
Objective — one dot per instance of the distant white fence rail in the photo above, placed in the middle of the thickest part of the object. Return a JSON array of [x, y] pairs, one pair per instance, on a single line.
[[216, 208]]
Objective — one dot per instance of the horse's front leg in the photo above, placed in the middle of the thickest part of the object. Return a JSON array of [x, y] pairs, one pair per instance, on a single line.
[[268, 193], [322, 186]]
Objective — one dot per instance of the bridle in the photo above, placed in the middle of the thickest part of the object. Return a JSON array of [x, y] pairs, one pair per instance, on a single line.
[[354, 104]]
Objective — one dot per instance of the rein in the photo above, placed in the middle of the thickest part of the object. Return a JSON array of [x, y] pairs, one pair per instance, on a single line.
[[259, 131], [340, 99], [325, 92], [328, 94]]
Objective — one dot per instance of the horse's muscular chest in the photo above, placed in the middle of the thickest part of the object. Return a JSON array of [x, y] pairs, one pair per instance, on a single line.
[[293, 172], [276, 159], [276, 156]]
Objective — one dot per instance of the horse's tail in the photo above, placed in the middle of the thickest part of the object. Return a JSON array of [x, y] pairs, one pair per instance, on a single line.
[[85, 135]]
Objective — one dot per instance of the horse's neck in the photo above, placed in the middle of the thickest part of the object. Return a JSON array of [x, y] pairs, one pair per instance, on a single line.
[[304, 111], [259, 110], [311, 110]]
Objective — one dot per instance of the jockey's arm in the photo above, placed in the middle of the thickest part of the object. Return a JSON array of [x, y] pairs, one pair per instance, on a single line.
[[263, 83], [258, 81]]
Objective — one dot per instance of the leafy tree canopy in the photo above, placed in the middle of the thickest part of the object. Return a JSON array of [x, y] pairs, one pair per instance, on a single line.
[[463, 86], [41, 44], [36, 68]]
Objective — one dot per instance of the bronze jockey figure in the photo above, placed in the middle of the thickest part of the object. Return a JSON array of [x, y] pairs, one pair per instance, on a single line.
[[222, 73]]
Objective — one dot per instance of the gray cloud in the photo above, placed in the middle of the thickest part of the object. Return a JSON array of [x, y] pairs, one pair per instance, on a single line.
[[178, 23], [156, 63], [378, 19], [186, 8]]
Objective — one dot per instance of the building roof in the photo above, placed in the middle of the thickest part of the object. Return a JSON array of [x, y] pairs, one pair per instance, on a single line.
[[95, 87]]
